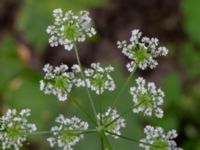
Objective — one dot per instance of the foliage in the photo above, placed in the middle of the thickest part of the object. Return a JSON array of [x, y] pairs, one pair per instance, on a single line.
[[19, 82]]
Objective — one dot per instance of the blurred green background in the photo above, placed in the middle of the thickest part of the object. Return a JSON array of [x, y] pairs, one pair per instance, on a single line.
[[24, 50]]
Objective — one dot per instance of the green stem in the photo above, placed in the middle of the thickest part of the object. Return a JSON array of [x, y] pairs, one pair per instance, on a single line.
[[130, 139], [121, 115], [102, 143], [89, 131], [100, 109], [70, 131], [88, 93], [77, 132], [105, 140], [82, 109], [40, 132], [123, 88]]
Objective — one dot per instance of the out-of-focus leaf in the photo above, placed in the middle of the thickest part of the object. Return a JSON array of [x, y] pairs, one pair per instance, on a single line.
[[191, 103], [191, 17], [9, 62], [194, 144], [173, 90], [190, 59]]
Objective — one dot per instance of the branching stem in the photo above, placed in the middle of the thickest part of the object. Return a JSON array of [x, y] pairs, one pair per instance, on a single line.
[[121, 115], [82, 109]]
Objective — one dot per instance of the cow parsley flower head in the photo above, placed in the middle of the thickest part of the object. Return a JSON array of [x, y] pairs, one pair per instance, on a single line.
[[69, 28], [59, 81], [99, 79], [67, 132], [109, 116], [142, 51], [147, 98], [14, 128], [156, 137]]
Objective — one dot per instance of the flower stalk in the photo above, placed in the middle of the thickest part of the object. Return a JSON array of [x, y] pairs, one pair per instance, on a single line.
[[88, 92]]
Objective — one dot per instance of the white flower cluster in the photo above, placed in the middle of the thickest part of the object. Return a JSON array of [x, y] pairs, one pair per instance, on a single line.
[[14, 128], [109, 116], [158, 139], [98, 79], [142, 51], [59, 81], [147, 98], [68, 132], [69, 28]]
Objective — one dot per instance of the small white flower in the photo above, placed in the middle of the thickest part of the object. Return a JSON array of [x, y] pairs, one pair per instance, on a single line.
[[108, 117], [131, 66], [141, 51], [67, 132], [98, 79], [69, 28], [147, 98], [59, 81], [14, 128], [156, 137], [76, 68]]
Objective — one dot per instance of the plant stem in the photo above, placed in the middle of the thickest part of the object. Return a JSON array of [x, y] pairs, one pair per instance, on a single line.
[[123, 114], [89, 131], [82, 109], [131, 139], [102, 143], [105, 140], [100, 108], [40, 132], [102, 133], [88, 92], [70, 131], [123, 88]]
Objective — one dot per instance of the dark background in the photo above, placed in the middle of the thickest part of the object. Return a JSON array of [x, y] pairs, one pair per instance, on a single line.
[[24, 50]]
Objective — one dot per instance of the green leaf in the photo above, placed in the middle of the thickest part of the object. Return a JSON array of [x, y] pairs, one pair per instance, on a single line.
[[191, 13], [173, 90], [190, 58]]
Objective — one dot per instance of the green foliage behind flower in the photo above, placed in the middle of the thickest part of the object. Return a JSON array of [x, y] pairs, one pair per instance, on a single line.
[[19, 83]]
